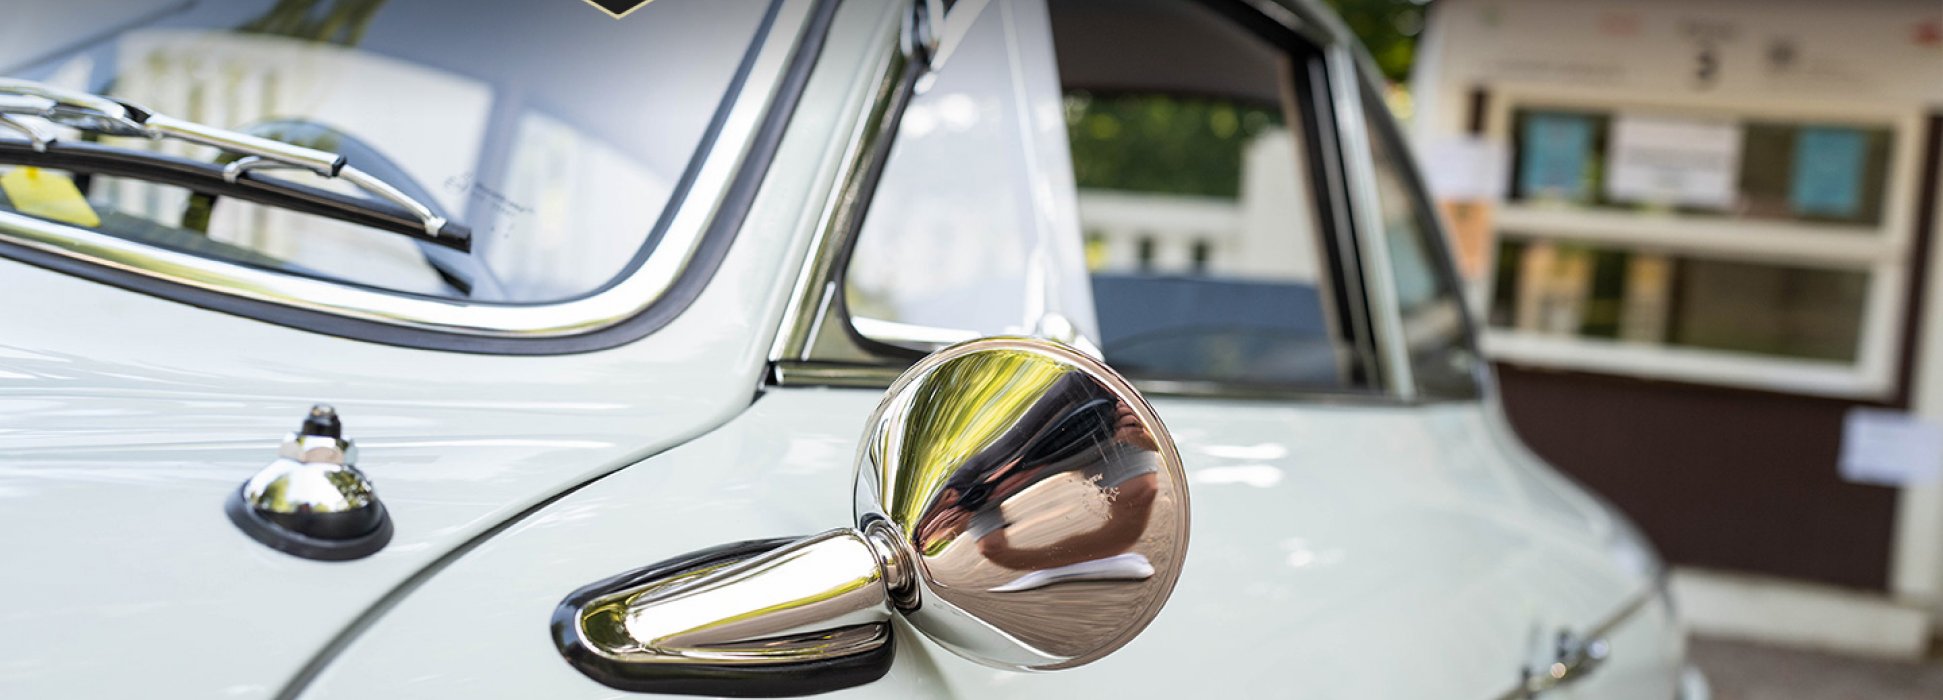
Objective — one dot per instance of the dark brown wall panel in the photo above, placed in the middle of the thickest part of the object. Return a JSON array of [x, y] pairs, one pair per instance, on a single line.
[[1720, 478]]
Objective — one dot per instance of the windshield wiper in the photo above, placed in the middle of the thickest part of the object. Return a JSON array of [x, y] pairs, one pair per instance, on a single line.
[[32, 108]]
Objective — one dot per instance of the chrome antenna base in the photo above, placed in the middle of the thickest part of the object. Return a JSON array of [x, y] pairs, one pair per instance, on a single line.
[[312, 501]]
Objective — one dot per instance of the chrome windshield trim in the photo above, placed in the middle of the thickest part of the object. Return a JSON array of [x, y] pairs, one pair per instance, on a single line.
[[619, 300]]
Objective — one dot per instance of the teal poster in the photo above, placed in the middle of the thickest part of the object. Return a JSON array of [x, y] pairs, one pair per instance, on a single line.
[[1552, 159], [1827, 172]]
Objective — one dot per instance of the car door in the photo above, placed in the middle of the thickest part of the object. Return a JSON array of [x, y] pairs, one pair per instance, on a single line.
[[1259, 259]]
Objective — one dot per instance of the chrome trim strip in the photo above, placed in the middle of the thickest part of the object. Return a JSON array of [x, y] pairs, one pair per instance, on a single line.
[[1359, 166], [618, 301], [794, 373], [818, 292], [879, 376]]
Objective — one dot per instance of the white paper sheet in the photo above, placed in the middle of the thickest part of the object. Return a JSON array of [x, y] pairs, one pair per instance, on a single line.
[[1465, 168], [1890, 448], [1672, 161]]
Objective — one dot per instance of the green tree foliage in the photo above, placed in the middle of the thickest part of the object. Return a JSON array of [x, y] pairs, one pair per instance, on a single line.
[[1389, 28], [340, 22], [1162, 143]]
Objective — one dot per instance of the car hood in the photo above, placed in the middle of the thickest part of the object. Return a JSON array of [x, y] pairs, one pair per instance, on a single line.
[[127, 421]]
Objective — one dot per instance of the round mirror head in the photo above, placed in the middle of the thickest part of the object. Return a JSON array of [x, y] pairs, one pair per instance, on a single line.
[[1038, 505]]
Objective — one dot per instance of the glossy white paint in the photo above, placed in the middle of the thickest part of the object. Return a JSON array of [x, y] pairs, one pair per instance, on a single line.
[[1381, 550], [126, 420], [1339, 552], [123, 428]]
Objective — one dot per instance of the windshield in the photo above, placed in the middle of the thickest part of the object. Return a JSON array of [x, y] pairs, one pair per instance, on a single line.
[[555, 133]]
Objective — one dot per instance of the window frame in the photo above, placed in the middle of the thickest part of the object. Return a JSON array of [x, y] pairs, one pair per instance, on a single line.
[[689, 239], [1436, 243], [820, 346]]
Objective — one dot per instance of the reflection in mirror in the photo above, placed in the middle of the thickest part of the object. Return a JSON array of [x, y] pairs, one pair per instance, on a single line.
[[1038, 497]]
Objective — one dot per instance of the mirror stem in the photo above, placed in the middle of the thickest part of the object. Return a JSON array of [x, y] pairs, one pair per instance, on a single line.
[[821, 597]]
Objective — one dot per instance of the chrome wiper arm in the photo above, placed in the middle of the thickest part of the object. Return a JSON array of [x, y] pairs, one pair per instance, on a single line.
[[22, 102]]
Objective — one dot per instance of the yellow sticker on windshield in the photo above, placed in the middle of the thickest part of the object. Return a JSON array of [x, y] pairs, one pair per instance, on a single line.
[[52, 196]]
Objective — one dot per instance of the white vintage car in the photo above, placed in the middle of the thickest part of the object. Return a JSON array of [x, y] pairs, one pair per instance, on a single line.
[[757, 348]]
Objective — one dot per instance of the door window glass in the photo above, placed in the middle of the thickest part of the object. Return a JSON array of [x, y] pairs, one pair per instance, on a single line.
[[1203, 241], [1434, 325], [1185, 237], [971, 230]]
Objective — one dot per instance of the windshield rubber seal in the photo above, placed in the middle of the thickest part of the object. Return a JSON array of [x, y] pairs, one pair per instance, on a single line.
[[704, 260]]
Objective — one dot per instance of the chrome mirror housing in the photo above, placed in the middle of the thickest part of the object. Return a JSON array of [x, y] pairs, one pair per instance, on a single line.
[[1035, 504], [1017, 502]]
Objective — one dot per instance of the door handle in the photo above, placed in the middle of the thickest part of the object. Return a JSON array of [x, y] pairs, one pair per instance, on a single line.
[[1576, 659]]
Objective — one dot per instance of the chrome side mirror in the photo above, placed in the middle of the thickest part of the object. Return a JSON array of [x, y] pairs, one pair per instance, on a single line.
[[1017, 502]]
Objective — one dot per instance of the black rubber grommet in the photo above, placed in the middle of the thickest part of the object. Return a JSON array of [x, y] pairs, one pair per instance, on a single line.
[[298, 544]]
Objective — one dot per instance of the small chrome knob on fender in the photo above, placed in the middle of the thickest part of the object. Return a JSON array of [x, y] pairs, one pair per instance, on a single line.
[[312, 501]]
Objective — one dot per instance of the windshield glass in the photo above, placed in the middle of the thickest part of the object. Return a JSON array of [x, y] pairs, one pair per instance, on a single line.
[[555, 133]]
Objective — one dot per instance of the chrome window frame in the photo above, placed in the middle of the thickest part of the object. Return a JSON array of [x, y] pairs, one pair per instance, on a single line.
[[689, 238], [816, 335], [818, 346], [1383, 126]]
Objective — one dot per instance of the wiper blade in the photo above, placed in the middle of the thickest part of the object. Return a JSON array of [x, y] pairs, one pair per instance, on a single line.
[[208, 178], [30, 108]]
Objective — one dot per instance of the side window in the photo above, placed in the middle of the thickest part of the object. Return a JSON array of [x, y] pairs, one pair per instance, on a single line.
[[1434, 326], [1202, 234], [1134, 173], [971, 230]]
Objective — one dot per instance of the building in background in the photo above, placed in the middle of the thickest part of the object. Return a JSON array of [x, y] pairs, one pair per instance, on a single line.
[[1700, 237]]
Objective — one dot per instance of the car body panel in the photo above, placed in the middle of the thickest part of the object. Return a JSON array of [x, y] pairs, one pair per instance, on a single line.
[[1342, 548], [1331, 544], [1336, 546], [123, 434], [780, 469]]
